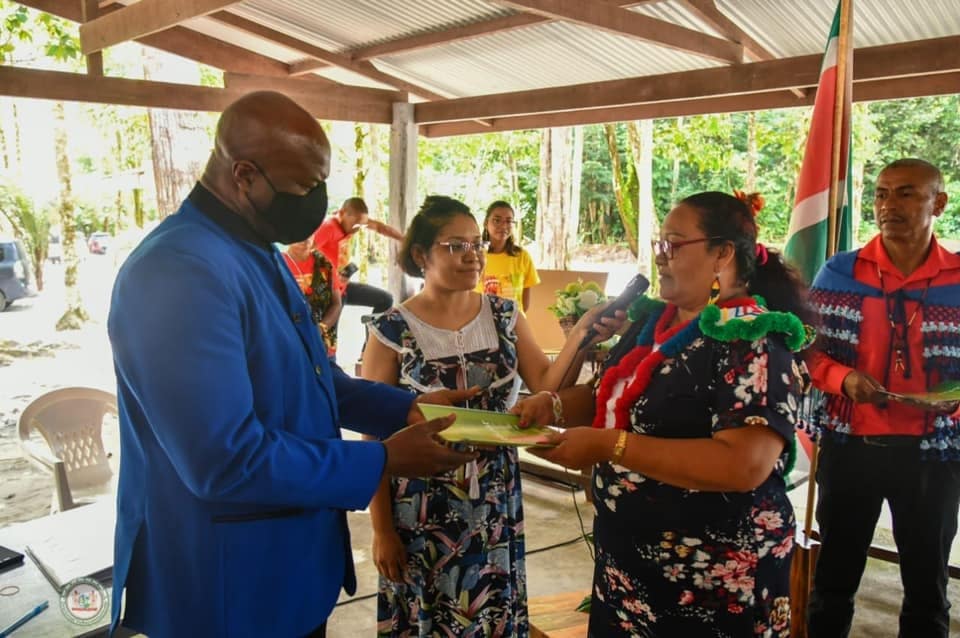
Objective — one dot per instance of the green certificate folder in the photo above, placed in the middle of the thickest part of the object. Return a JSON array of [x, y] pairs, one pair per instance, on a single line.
[[486, 428], [941, 398]]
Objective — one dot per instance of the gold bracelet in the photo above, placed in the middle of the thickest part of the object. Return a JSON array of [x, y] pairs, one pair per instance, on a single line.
[[619, 448]]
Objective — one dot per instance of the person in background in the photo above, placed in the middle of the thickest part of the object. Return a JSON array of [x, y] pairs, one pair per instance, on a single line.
[[692, 434], [450, 547], [509, 272], [333, 240], [891, 315], [234, 478], [314, 274]]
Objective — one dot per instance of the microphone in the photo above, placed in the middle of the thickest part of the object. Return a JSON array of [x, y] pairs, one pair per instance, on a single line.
[[637, 286]]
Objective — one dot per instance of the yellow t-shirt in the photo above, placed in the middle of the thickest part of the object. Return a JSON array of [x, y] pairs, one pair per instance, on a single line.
[[507, 276]]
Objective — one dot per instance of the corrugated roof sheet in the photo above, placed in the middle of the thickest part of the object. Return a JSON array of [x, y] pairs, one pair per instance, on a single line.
[[558, 53]]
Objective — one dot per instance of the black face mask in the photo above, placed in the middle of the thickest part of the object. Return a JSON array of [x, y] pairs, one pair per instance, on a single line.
[[293, 217]]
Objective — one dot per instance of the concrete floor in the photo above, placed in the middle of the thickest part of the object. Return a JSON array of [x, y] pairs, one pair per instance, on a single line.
[[551, 519]]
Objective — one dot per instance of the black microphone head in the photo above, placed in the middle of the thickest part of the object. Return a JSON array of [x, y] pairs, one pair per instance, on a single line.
[[635, 288]]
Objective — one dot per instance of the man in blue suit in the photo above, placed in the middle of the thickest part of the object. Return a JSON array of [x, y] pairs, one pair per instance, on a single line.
[[234, 480]]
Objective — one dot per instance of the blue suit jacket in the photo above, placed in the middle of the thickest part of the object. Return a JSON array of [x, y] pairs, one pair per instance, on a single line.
[[234, 480]]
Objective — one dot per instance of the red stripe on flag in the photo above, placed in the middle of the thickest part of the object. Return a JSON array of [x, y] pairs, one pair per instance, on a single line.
[[815, 171]]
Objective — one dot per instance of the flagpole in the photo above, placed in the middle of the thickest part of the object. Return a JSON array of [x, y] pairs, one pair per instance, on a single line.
[[843, 61]]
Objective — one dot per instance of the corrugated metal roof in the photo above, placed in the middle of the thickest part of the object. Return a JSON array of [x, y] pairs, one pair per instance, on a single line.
[[558, 53], [543, 55], [339, 25]]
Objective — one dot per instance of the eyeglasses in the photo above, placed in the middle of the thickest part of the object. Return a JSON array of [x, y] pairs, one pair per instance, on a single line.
[[502, 221], [461, 247], [668, 249]]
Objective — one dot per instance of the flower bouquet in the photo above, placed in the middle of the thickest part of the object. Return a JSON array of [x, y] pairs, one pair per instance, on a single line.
[[574, 300]]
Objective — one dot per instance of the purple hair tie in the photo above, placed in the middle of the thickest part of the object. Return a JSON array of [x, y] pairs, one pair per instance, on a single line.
[[762, 254]]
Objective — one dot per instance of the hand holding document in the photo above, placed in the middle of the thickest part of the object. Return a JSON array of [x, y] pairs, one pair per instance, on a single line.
[[481, 427], [943, 399]]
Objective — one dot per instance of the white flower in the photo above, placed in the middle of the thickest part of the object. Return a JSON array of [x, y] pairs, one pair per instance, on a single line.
[[588, 299]]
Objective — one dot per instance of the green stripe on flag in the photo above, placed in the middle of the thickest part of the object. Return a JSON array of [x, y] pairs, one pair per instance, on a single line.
[[806, 249]]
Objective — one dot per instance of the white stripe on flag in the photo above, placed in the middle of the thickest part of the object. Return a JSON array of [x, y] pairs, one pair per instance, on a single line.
[[830, 55], [809, 212]]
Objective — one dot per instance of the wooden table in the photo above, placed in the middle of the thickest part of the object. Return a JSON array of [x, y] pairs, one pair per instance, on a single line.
[[557, 616], [34, 587]]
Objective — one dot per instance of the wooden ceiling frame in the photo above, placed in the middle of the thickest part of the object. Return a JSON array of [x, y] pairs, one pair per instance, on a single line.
[[918, 57], [180, 41], [79, 87], [595, 14], [863, 91], [140, 19]]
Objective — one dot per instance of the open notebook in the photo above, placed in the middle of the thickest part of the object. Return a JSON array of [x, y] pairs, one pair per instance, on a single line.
[[75, 544], [486, 428]]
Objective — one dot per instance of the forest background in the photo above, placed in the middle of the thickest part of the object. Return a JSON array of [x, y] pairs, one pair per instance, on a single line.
[[70, 169]]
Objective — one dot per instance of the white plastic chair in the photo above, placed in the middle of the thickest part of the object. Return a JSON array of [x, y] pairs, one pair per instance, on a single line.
[[70, 420]]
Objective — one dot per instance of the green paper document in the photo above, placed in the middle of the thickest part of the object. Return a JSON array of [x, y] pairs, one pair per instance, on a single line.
[[481, 427], [942, 397]]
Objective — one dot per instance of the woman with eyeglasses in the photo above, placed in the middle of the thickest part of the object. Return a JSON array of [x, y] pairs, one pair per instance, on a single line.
[[692, 433], [450, 548], [509, 271]]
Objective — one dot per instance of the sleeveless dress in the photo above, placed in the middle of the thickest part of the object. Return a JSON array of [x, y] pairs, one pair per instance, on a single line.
[[465, 554]]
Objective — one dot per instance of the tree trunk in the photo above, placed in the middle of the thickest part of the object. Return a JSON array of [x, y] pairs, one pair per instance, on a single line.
[[554, 193], [675, 174], [75, 315], [625, 207], [640, 135], [572, 218], [4, 149], [181, 142], [17, 140], [138, 207], [750, 182]]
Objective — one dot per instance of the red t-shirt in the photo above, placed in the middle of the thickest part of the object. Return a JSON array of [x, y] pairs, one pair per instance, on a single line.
[[331, 240], [875, 354], [302, 271]]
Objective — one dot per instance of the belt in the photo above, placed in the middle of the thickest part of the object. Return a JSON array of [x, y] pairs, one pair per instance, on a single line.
[[887, 440]]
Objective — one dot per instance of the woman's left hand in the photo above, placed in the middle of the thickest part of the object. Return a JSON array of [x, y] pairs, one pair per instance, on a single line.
[[579, 447], [606, 327]]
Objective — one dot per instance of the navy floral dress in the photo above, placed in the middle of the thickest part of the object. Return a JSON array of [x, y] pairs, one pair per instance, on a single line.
[[465, 568], [675, 562]]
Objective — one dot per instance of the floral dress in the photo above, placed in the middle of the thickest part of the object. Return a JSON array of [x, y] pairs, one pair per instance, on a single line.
[[677, 562], [463, 530]]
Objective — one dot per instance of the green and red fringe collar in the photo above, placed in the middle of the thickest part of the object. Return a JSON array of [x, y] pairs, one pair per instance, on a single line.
[[741, 319]]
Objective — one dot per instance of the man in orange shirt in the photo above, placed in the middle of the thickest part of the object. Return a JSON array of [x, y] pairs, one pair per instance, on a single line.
[[891, 323], [333, 240]]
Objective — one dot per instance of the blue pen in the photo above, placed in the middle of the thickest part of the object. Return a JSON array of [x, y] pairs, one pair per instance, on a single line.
[[20, 622]]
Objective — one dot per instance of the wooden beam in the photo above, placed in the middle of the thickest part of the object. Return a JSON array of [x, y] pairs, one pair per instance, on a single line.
[[457, 34], [365, 69], [180, 41], [89, 10], [707, 11], [142, 18], [863, 91], [310, 86], [603, 16], [936, 55], [78, 87], [724, 104]]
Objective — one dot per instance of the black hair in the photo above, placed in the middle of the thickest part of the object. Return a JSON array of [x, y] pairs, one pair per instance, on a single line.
[[435, 213], [914, 162], [355, 203], [726, 218], [510, 247]]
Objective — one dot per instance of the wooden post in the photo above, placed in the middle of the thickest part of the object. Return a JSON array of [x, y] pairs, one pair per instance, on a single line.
[[89, 10], [403, 186]]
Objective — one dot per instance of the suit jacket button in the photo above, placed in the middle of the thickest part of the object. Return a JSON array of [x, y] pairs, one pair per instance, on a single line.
[[296, 317], [318, 370]]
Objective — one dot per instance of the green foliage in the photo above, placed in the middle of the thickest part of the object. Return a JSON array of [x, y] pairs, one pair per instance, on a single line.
[[31, 225], [60, 38]]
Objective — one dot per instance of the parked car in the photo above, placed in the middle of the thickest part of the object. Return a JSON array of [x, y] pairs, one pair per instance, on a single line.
[[98, 243], [16, 273]]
